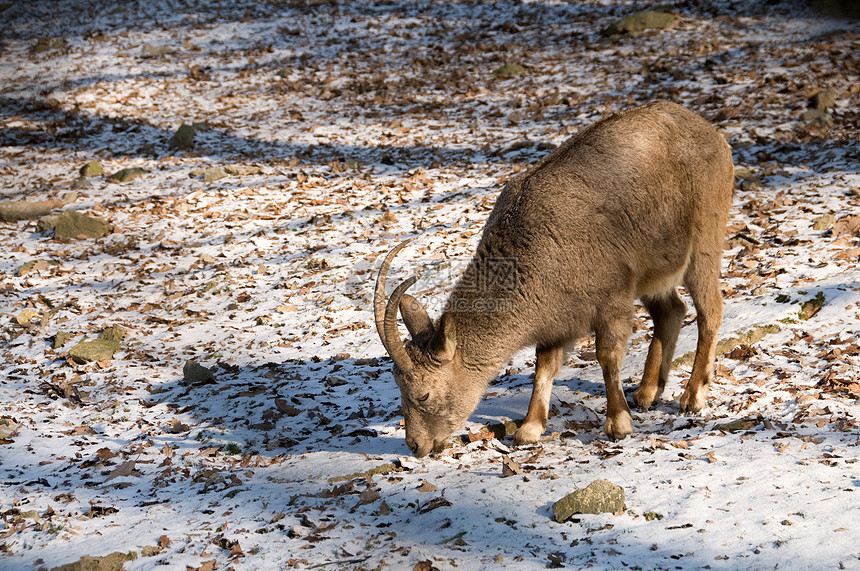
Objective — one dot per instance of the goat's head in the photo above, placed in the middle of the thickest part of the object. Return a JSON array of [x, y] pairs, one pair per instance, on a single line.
[[435, 396]]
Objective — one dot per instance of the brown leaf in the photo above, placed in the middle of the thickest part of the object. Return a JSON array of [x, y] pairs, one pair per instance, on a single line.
[[286, 408], [427, 487], [163, 541], [123, 470], [510, 467], [105, 453], [176, 426]]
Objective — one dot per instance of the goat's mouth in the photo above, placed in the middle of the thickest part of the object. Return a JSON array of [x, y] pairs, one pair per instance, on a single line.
[[433, 449]]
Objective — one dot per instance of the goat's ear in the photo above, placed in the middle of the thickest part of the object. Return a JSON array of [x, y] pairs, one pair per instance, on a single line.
[[444, 340], [415, 316]]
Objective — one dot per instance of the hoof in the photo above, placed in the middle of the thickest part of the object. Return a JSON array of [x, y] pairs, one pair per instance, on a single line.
[[620, 426], [528, 433], [692, 403]]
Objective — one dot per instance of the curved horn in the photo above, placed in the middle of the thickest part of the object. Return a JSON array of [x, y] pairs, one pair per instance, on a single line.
[[395, 346], [380, 301]]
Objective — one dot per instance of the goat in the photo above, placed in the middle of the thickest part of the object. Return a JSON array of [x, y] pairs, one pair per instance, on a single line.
[[630, 207]]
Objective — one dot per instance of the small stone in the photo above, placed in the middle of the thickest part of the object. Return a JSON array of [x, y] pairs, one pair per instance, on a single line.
[[126, 175], [509, 70], [89, 351], [60, 339], [71, 224], [49, 44], [639, 22], [13, 210], [823, 222], [101, 349], [26, 316], [600, 496], [824, 99], [92, 168], [821, 116], [743, 173], [82, 184], [241, 170], [183, 138], [214, 173], [111, 562], [8, 426], [150, 51], [196, 374]]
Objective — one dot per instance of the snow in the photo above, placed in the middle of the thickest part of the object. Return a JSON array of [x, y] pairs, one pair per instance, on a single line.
[[389, 123]]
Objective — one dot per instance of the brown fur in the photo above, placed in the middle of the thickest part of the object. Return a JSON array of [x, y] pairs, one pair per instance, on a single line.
[[629, 208]]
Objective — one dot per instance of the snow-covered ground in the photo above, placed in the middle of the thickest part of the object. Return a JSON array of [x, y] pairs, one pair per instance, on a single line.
[[349, 126]]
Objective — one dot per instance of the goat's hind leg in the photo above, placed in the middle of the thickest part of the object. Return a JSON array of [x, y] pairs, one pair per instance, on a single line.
[[667, 312], [611, 341], [546, 368], [702, 281]]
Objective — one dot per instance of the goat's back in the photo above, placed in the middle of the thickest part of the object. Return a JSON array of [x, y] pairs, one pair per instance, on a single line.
[[620, 207]]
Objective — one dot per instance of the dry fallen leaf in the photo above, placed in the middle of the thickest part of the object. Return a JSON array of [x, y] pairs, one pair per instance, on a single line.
[[427, 487], [510, 467]]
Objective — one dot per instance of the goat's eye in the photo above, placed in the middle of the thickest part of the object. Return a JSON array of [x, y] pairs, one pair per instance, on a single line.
[[424, 398]]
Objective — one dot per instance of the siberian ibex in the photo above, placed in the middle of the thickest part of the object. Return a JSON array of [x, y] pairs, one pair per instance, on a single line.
[[629, 208]]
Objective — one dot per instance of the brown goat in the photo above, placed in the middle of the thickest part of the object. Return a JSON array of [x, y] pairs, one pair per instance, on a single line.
[[629, 208]]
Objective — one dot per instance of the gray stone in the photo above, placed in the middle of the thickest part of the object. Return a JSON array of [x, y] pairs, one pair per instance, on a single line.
[[71, 224], [639, 22], [49, 44], [823, 222], [196, 374], [214, 173], [92, 168], [183, 138], [824, 99], [96, 350], [111, 562], [150, 51], [125, 175], [60, 339], [600, 496]]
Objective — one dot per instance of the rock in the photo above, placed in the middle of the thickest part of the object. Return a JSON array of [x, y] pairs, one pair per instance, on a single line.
[[183, 138], [100, 349], [71, 224], [824, 99], [201, 126], [509, 70], [27, 315], [822, 117], [82, 184], [243, 170], [823, 222], [92, 168], [639, 22], [13, 210], [601, 496], [196, 374], [60, 339], [743, 173], [49, 44], [111, 562], [8, 426], [810, 307], [150, 50], [125, 175], [214, 173]]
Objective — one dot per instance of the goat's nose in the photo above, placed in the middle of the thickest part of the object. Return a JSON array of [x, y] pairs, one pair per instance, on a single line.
[[413, 446]]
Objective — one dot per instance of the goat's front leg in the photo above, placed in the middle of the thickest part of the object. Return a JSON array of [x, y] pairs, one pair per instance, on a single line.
[[611, 338], [546, 368]]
